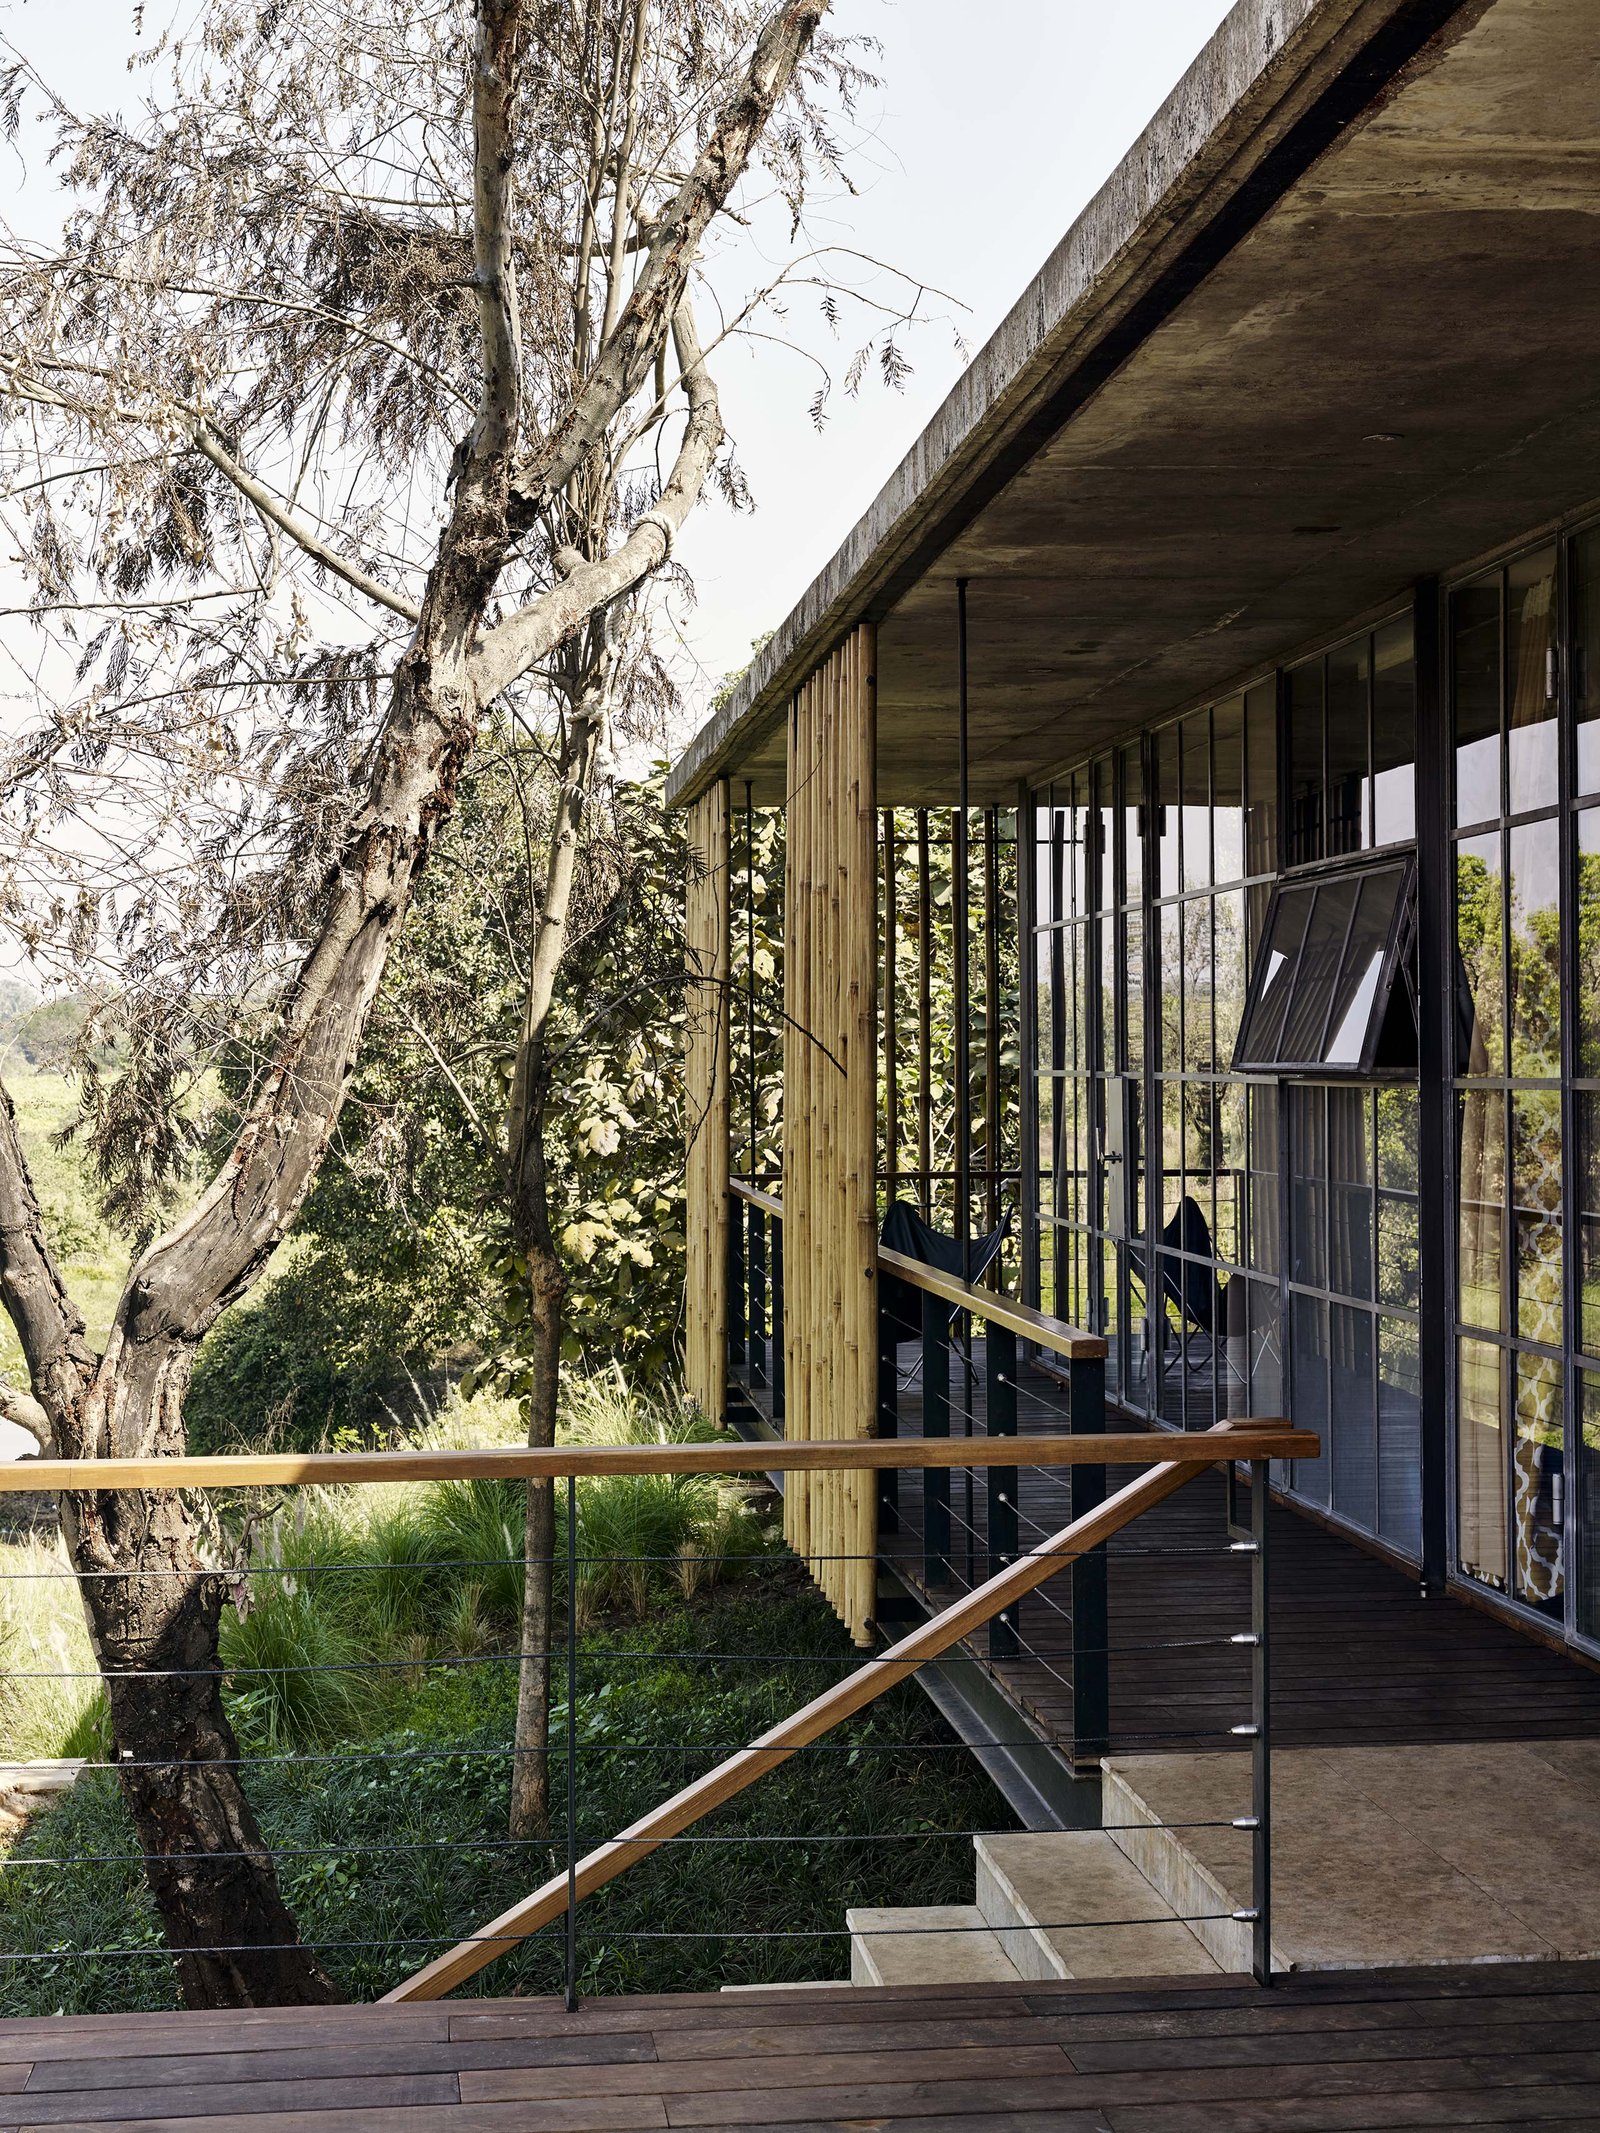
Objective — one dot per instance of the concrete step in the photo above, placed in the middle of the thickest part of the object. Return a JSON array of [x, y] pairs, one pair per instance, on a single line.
[[934, 1944], [1184, 1881], [1061, 1902]]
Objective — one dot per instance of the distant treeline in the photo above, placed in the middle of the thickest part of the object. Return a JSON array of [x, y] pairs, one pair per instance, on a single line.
[[43, 1032]]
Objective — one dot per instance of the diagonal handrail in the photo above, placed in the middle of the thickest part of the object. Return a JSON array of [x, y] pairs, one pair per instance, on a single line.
[[1165, 1477]]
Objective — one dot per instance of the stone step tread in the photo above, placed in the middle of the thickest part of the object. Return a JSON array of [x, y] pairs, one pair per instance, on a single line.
[[1071, 1904], [927, 1944]]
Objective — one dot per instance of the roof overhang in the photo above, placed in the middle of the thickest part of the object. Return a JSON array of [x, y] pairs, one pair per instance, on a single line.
[[1331, 328]]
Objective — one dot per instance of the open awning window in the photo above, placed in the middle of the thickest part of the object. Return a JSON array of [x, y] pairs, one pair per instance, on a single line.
[[1329, 971]]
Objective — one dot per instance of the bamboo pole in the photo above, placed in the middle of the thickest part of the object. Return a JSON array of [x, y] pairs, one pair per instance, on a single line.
[[706, 1088]]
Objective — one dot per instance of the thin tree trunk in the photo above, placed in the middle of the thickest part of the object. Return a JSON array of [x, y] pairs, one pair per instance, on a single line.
[[154, 1624]]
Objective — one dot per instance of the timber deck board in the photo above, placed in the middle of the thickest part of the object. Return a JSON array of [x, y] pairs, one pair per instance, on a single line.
[[1514, 2045], [1359, 1659]]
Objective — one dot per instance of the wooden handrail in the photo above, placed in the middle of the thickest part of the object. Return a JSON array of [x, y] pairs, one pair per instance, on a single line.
[[254, 1470], [769, 1203], [1020, 1318], [869, 1681], [1036, 1326]]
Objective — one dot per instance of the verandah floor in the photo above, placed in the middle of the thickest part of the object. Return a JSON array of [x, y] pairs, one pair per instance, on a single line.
[[1483, 2045], [1358, 1657]]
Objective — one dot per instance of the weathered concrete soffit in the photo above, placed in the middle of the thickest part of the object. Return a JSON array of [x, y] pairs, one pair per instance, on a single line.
[[1328, 328]]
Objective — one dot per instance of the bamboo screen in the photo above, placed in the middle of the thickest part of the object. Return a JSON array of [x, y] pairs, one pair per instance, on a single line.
[[705, 1361], [830, 1117]]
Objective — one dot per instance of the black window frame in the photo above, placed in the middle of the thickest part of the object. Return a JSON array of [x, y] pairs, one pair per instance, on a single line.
[[1394, 971]]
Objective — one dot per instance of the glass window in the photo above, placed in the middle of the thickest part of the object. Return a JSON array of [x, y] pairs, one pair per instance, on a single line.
[[1227, 790], [1537, 1482], [1350, 1193], [1305, 735], [1587, 931], [1394, 735], [1308, 1214], [1588, 1522], [1534, 885], [1309, 1318], [1399, 1270], [1480, 956], [1481, 1175], [1586, 657], [1586, 1103], [1261, 778], [1353, 1415], [1536, 1212], [1348, 748], [1480, 1462], [1324, 1005], [1475, 666], [1199, 1042], [1196, 774], [1170, 797], [1531, 760]]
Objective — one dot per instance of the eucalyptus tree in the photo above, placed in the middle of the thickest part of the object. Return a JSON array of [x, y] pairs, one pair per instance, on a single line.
[[362, 396]]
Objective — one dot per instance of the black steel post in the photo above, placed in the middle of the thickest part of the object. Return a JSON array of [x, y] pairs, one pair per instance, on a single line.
[[777, 1319], [572, 1744], [1436, 1011], [961, 912], [756, 1334], [738, 1300], [1091, 1661], [888, 1416], [935, 1423], [1000, 1351], [1261, 1743]]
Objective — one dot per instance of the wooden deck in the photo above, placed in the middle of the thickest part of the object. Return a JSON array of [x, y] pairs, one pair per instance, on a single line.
[[1483, 2045], [1358, 1657]]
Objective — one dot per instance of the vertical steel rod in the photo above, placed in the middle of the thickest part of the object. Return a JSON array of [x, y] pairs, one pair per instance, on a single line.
[[572, 1744], [925, 1014], [961, 906], [1091, 1614], [936, 1423], [752, 1079], [891, 1007], [1000, 1348], [777, 1320], [992, 1110], [1261, 1720]]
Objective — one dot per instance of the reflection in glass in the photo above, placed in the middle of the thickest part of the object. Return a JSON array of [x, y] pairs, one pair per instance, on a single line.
[[1308, 1156], [1480, 955], [1538, 1483], [1394, 735], [1531, 749], [1586, 657], [1399, 1268], [1233, 1158], [1536, 1212], [1199, 1043], [1170, 800], [1400, 1435], [1304, 685], [1231, 971], [1586, 1103], [1196, 775], [1263, 1040], [1132, 821], [1261, 779], [1588, 1521], [1171, 987], [1227, 790], [1534, 879], [1586, 926], [1366, 949], [1263, 1179], [1480, 1462], [1347, 751], [1309, 1390], [1475, 677], [1481, 1174], [1110, 975], [1048, 1116], [1306, 1025], [1350, 1202], [1353, 1416]]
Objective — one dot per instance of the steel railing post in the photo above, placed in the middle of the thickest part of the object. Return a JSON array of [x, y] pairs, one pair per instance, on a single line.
[[777, 1319], [888, 1415], [572, 1744], [1000, 1357], [756, 1321], [1091, 1624], [1261, 1720], [738, 1306], [935, 1423]]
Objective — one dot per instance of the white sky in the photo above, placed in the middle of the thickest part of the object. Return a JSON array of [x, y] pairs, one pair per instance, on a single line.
[[993, 126]]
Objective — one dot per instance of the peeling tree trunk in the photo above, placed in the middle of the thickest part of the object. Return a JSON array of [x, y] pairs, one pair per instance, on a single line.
[[207, 1865]]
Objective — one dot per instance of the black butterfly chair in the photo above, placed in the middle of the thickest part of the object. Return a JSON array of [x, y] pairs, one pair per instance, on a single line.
[[1195, 1289], [904, 1231]]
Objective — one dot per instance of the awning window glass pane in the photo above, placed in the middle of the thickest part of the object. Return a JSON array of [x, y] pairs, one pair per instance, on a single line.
[[1328, 966]]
